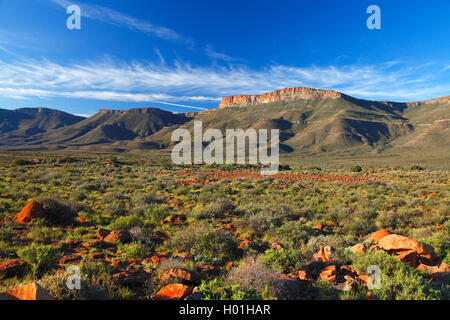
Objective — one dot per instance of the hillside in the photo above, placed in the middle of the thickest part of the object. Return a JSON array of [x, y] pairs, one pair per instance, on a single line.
[[311, 122]]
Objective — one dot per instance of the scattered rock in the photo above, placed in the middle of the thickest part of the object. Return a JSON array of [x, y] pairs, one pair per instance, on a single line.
[[130, 277], [11, 268], [180, 275], [409, 257], [302, 275], [324, 254], [102, 233], [32, 291], [360, 248], [173, 292], [31, 211], [439, 273], [378, 235], [174, 219], [118, 236], [329, 273], [72, 259], [396, 243]]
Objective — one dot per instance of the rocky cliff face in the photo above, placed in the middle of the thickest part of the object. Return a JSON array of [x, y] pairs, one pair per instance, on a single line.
[[288, 94]]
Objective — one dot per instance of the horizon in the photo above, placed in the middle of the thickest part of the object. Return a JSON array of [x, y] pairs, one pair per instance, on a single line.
[[213, 108], [185, 57]]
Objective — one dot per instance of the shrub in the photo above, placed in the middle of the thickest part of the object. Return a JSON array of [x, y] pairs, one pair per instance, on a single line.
[[216, 209], [283, 260], [253, 275], [398, 280], [293, 234], [219, 290], [60, 212], [132, 251], [126, 223], [56, 285], [40, 258], [206, 244], [356, 169]]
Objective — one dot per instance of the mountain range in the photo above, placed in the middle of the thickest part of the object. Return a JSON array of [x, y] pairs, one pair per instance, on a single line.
[[311, 121]]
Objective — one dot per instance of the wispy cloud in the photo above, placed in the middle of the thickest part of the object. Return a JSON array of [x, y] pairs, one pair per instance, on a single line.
[[116, 18], [108, 80]]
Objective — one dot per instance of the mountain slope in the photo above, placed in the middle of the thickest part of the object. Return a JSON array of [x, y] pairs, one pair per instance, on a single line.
[[311, 121]]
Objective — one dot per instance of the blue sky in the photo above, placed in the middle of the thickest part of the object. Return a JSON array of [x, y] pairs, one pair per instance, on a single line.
[[186, 55]]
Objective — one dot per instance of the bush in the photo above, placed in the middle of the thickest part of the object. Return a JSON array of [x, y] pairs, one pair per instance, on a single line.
[[219, 290], [216, 209], [60, 212], [56, 285], [294, 235], [206, 244], [283, 260], [40, 258], [398, 280], [356, 169], [132, 251], [253, 275]]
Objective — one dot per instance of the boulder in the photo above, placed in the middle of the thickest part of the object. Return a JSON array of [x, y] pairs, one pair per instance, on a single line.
[[118, 236], [102, 233], [329, 273], [30, 212], [130, 277], [409, 257], [360, 248], [173, 292], [32, 291], [324, 254], [378, 235], [179, 275], [396, 243], [11, 268], [71, 259]]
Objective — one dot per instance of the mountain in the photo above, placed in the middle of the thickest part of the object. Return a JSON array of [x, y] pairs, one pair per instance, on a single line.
[[104, 128], [311, 121], [21, 125]]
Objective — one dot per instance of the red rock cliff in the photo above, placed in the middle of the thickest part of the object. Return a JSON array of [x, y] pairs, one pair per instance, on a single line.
[[287, 94]]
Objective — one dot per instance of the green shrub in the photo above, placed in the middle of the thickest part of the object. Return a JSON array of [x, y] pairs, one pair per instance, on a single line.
[[398, 280], [219, 290], [356, 169], [40, 258], [283, 260]]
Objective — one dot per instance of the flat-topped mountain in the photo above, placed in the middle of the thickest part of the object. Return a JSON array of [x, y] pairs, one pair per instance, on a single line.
[[311, 121], [287, 94]]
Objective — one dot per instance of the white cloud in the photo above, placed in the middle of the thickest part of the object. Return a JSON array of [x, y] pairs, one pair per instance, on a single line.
[[138, 82], [116, 18]]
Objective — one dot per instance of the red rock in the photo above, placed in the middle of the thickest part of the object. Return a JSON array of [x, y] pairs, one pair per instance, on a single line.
[[302, 275], [409, 257], [32, 291], [329, 273], [288, 94], [72, 259], [130, 277], [378, 235], [360, 248], [179, 274], [31, 211], [173, 292], [441, 272], [396, 243], [11, 268], [324, 254], [118, 236], [102, 233]]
